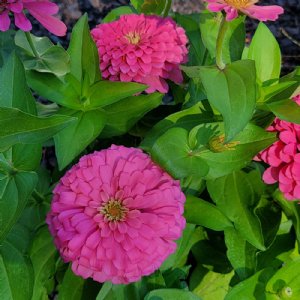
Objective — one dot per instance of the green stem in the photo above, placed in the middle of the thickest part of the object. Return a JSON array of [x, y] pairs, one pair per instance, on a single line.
[[220, 42], [29, 39], [37, 196], [167, 8]]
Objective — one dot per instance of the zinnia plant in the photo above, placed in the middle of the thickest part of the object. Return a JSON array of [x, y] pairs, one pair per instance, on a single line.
[[154, 155]]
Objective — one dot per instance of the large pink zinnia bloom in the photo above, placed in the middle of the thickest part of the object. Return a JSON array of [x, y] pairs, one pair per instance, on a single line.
[[248, 7], [42, 10], [284, 158], [115, 215], [144, 49]]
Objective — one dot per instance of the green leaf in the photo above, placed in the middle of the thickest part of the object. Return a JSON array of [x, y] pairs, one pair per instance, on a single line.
[[122, 115], [19, 127], [7, 45], [287, 110], [167, 294], [213, 286], [236, 196], [157, 7], [15, 189], [240, 253], [71, 287], [201, 212], [105, 93], [191, 235], [61, 91], [83, 52], [175, 154], [267, 58], [43, 256], [114, 14], [16, 272], [232, 92], [187, 119], [234, 39], [41, 55], [72, 140], [252, 288], [14, 91], [236, 154], [286, 281]]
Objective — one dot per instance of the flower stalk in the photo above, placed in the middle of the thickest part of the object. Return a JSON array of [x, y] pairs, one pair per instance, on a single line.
[[220, 42], [29, 39]]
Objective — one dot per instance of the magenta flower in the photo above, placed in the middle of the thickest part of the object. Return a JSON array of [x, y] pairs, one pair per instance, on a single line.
[[247, 7], [42, 10], [284, 158], [144, 49], [115, 215]]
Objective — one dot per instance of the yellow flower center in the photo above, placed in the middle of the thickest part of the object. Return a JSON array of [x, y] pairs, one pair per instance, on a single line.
[[114, 210], [240, 3], [133, 37]]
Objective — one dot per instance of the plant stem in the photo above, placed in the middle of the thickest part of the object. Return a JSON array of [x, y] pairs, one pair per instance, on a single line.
[[167, 8], [29, 39], [220, 42]]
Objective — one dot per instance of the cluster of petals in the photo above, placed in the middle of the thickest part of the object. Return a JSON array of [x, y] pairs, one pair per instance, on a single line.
[[42, 10], [143, 49], [116, 215], [283, 157], [247, 7]]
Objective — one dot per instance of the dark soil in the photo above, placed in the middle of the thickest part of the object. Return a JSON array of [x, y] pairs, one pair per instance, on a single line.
[[286, 28]]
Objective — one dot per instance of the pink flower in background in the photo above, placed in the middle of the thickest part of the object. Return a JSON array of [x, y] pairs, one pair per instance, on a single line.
[[42, 10], [116, 215], [248, 7], [144, 49], [284, 158]]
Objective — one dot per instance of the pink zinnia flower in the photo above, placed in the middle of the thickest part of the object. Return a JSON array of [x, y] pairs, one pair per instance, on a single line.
[[144, 49], [115, 215], [248, 7], [284, 158], [42, 10]]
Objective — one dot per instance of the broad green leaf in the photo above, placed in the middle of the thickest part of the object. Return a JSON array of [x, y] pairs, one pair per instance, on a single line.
[[286, 281], [83, 52], [137, 4], [116, 13], [122, 115], [157, 7], [240, 253], [236, 196], [191, 235], [167, 294], [41, 55], [16, 272], [105, 93], [234, 39], [43, 255], [72, 140], [71, 286], [66, 92], [267, 58], [201, 212], [213, 285], [187, 119], [175, 154], [223, 159], [19, 127], [14, 91], [287, 110], [7, 45], [197, 50], [252, 288], [15, 188], [232, 92]]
